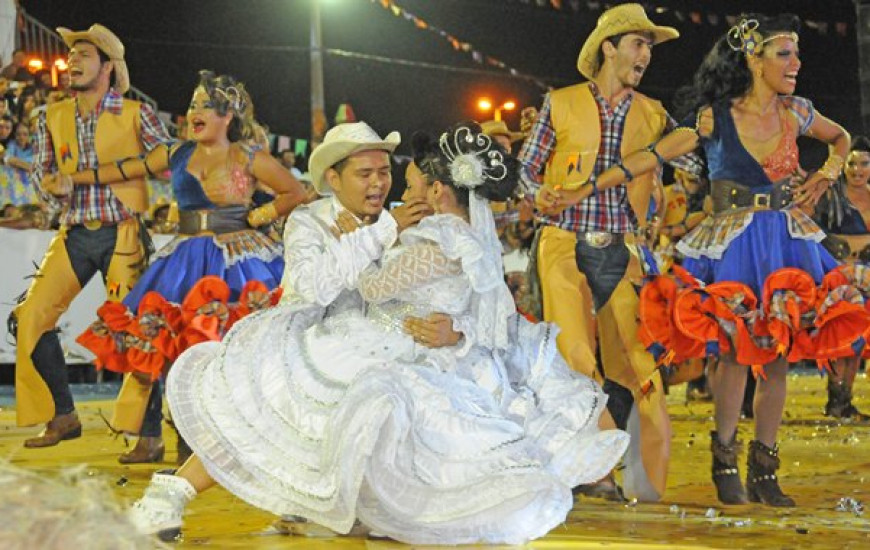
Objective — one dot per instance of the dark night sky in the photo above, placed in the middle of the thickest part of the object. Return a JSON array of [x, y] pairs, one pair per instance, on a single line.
[[169, 40]]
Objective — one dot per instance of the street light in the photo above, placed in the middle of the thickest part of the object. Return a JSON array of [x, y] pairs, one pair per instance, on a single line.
[[57, 67], [318, 110], [35, 64], [485, 104]]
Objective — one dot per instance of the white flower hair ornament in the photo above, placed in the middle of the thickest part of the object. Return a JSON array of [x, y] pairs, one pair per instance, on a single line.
[[472, 158]]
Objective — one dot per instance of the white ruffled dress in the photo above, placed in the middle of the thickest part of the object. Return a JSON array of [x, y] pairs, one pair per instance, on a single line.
[[347, 418]]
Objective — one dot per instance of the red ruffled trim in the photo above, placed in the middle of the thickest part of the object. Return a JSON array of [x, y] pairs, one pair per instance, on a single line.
[[104, 338], [656, 331], [797, 320], [162, 330]]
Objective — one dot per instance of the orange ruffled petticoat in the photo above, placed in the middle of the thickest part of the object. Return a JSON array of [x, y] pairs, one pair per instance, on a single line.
[[161, 330], [680, 319]]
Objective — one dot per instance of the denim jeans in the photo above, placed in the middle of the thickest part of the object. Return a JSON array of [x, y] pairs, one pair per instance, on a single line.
[[604, 269], [89, 252], [151, 424]]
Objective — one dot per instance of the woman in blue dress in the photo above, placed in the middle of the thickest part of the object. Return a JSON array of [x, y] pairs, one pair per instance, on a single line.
[[18, 157], [844, 213], [743, 114], [221, 266]]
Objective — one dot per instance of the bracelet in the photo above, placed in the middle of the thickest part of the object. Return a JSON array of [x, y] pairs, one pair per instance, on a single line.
[[96, 176], [120, 165], [593, 181], [652, 149], [628, 175], [832, 167], [262, 215], [695, 130]]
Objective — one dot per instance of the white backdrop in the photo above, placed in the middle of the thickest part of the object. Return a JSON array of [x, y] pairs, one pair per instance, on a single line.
[[19, 250]]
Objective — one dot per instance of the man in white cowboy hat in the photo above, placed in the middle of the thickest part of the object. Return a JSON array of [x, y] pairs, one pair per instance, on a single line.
[[327, 245], [584, 263], [100, 224], [329, 242]]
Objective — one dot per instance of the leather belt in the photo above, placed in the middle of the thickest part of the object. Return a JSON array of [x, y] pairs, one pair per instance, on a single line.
[[226, 219], [600, 239], [729, 197], [93, 225]]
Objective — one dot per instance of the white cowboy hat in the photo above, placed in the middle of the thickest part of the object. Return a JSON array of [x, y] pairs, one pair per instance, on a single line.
[[620, 19], [105, 41], [341, 142]]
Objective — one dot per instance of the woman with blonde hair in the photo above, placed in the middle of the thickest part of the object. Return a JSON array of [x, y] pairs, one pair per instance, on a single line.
[[221, 266]]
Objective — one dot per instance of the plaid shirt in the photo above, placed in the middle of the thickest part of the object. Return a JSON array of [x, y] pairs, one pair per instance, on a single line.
[[91, 202], [608, 210]]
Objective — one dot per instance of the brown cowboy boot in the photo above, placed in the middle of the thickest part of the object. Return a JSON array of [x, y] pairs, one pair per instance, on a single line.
[[605, 488], [726, 476], [147, 449], [761, 480], [59, 428]]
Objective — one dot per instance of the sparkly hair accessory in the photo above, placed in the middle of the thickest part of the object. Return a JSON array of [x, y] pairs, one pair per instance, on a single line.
[[472, 159], [744, 37], [234, 98]]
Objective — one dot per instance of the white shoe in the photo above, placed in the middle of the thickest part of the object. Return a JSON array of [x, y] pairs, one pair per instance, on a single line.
[[160, 510]]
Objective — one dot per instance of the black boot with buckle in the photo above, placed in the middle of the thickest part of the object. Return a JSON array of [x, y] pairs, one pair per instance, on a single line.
[[726, 476], [839, 403], [761, 481]]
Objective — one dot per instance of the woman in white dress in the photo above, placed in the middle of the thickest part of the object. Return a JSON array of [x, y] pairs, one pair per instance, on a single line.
[[351, 418]]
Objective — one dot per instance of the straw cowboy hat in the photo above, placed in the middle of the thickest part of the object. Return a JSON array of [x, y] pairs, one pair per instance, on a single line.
[[105, 41], [341, 142], [156, 205], [499, 128], [618, 20]]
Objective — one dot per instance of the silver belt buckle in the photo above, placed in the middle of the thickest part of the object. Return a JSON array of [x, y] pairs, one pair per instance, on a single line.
[[761, 200], [203, 220], [598, 239]]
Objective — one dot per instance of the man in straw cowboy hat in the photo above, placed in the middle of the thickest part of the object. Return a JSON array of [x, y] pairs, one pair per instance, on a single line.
[[584, 251], [100, 224], [499, 131]]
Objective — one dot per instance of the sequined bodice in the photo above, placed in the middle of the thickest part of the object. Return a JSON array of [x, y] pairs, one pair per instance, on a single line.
[[231, 185], [783, 161], [728, 159]]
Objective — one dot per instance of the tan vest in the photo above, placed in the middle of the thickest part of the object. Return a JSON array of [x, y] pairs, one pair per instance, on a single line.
[[575, 118], [117, 137]]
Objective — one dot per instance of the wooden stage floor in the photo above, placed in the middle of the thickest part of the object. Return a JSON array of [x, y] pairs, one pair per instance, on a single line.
[[823, 461]]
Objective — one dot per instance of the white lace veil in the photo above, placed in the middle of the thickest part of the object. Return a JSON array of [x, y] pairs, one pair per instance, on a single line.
[[473, 160]]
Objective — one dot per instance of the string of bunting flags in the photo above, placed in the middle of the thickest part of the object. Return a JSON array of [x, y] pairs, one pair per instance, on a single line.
[[696, 17], [458, 44], [277, 143]]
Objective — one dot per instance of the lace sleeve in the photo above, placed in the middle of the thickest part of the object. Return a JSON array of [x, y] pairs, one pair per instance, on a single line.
[[416, 265]]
